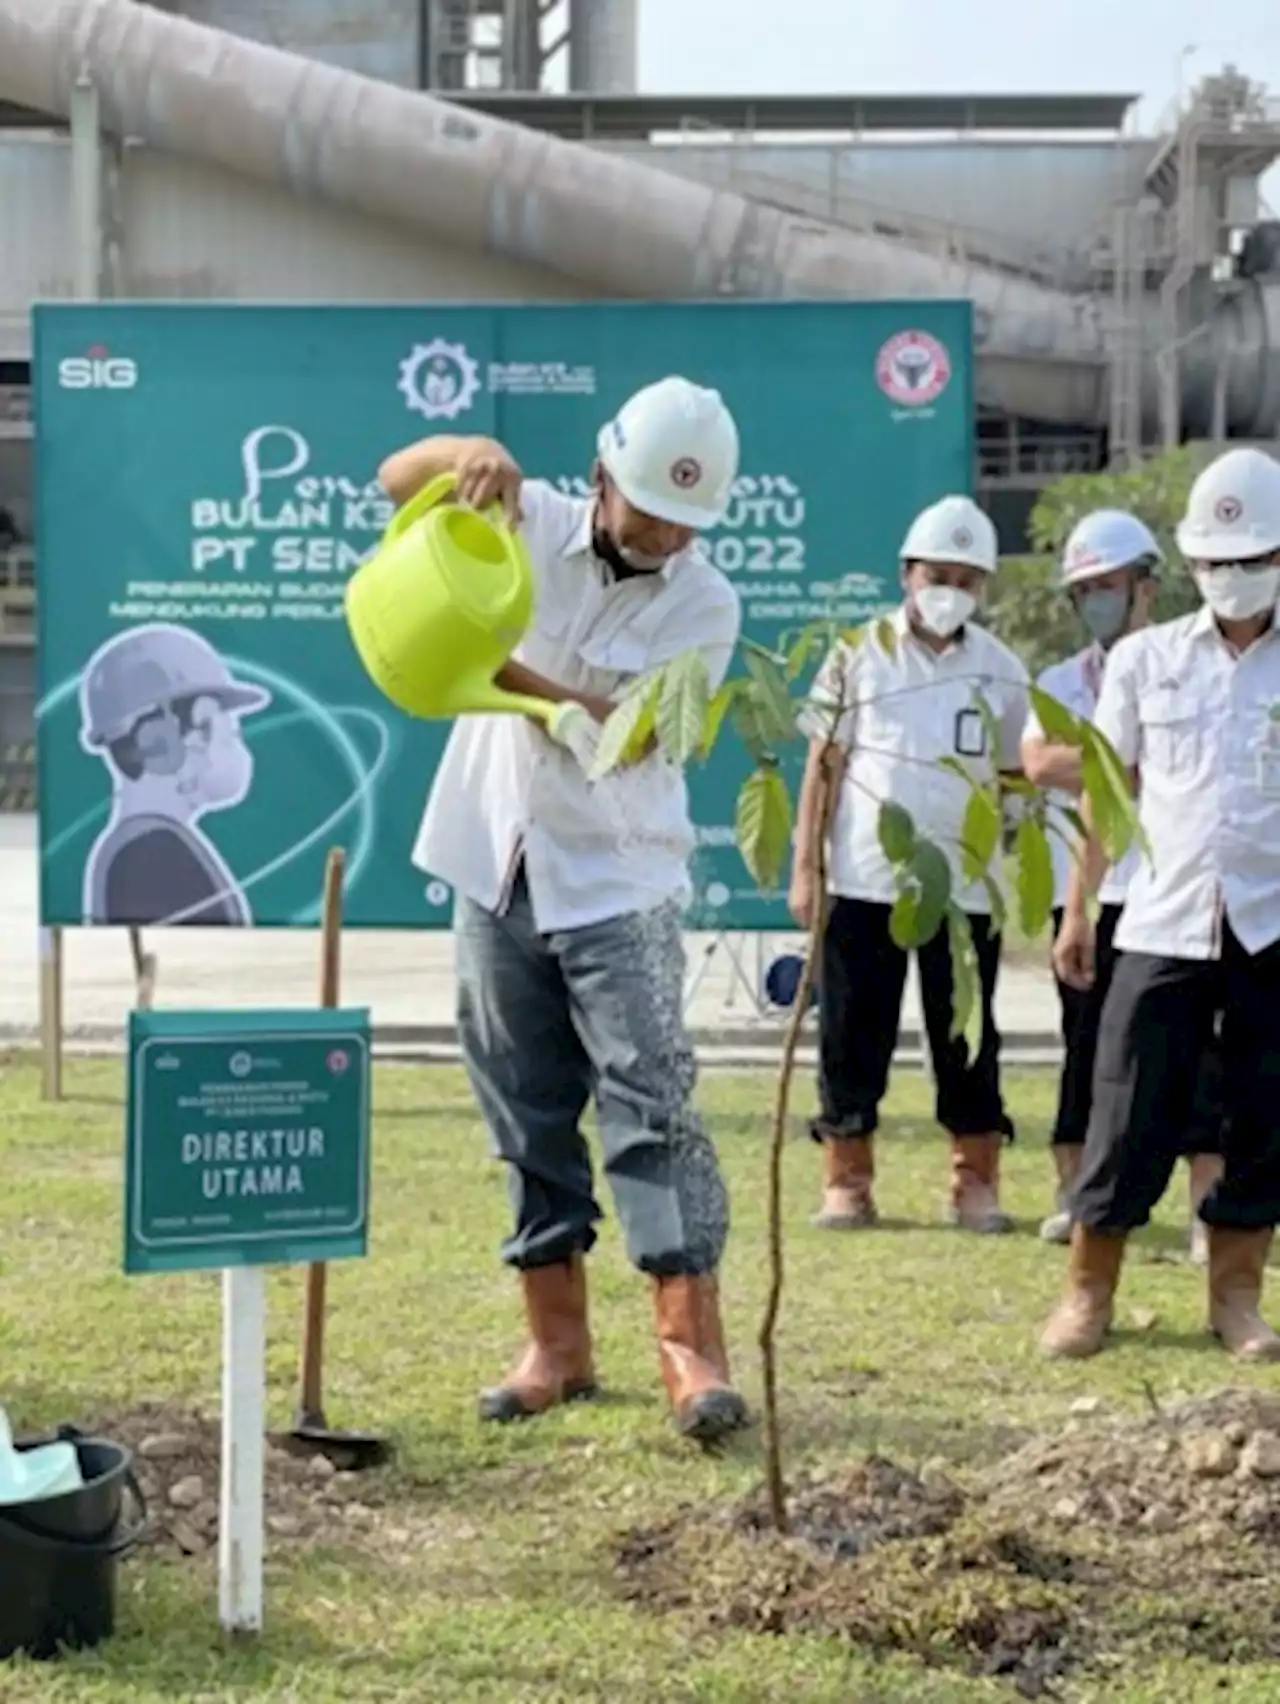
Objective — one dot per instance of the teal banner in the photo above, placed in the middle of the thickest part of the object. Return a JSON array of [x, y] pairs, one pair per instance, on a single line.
[[247, 1139], [206, 484]]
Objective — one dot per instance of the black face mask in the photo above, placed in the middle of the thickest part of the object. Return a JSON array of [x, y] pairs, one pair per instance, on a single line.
[[606, 551]]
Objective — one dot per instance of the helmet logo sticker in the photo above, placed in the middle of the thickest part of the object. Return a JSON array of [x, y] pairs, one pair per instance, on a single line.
[[962, 538], [685, 473], [1228, 509]]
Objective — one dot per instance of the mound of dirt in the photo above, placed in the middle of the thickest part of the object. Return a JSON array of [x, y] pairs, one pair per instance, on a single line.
[[1105, 1543], [177, 1461]]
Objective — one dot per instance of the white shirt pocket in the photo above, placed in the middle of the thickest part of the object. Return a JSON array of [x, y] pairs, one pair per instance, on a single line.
[[1171, 729]]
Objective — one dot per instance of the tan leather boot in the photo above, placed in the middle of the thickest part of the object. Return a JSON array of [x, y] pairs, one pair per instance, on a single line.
[[556, 1365], [1066, 1158], [975, 1185], [848, 1173], [1237, 1267], [1203, 1171], [1082, 1318], [692, 1355]]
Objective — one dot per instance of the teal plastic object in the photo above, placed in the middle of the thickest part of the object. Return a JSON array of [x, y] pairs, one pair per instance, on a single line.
[[27, 1476]]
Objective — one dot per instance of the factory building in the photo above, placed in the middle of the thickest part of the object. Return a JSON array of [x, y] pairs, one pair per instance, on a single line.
[[1126, 286]]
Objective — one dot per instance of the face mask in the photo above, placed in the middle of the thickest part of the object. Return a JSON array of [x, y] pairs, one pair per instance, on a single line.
[[624, 562], [1236, 593], [944, 609], [1105, 614]]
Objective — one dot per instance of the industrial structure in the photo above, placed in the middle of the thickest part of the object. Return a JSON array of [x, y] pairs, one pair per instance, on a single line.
[[1126, 287]]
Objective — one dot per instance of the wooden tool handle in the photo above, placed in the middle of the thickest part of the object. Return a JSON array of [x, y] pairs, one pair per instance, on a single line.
[[331, 928], [330, 994]]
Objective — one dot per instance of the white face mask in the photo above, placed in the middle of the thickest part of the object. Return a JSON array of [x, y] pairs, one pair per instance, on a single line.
[[944, 609], [1236, 593]]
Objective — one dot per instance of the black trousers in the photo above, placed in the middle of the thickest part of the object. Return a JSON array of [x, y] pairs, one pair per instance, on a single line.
[[860, 986], [1201, 1131], [1157, 1021]]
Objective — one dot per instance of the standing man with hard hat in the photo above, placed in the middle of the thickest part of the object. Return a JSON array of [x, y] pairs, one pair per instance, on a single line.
[[1193, 707], [1109, 568], [569, 895], [894, 712]]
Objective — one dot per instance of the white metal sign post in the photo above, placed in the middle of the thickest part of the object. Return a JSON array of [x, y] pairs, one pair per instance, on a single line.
[[247, 1146], [244, 1396]]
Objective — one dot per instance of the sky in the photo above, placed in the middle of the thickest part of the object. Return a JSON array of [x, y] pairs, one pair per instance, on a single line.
[[1145, 47]]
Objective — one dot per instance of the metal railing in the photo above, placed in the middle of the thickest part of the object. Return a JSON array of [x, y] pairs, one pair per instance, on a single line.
[[711, 157], [1019, 457], [17, 595]]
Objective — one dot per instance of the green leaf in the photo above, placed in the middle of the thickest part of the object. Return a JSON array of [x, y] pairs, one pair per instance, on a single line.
[[980, 832], [991, 726], [999, 906], [623, 736], [684, 697], [803, 650], [1060, 725], [713, 720], [897, 832], [1035, 877], [966, 982], [763, 825], [772, 694], [887, 635], [954, 766], [748, 719], [924, 891]]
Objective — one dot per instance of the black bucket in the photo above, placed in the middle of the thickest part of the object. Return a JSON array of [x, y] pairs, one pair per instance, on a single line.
[[58, 1555]]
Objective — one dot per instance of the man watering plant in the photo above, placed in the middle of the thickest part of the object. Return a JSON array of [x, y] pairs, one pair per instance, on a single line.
[[570, 894], [941, 692]]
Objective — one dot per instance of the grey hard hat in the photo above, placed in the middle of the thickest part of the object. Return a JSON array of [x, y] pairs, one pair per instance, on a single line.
[[148, 668]]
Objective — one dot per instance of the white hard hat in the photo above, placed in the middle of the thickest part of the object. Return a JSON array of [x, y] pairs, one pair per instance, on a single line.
[[1233, 510], [952, 530], [1104, 541], [148, 668], [672, 451]]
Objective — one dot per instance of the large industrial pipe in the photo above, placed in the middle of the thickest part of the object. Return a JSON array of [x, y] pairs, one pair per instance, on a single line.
[[619, 227]]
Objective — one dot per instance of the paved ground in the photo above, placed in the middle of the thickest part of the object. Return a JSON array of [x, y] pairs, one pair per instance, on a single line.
[[407, 979]]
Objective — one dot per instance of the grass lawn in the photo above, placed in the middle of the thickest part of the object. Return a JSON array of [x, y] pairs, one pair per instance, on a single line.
[[491, 1576]]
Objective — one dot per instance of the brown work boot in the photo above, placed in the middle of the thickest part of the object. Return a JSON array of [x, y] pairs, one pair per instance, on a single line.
[[848, 1172], [1082, 1318], [1237, 1265], [695, 1364], [556, 1365], [975, 1185], [1066, 1158]]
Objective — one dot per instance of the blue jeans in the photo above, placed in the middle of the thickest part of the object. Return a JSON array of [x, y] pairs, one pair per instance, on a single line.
[[549, 1022]]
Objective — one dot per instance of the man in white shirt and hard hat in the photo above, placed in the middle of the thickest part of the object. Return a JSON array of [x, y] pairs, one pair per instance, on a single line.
[[893, 712], [570, 895], [1192, 706], [1109, 571]]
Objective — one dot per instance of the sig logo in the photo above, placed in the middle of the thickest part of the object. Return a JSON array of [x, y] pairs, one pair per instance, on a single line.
[[97, 369]]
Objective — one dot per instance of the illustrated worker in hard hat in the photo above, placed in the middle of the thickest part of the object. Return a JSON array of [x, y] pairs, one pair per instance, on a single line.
[[893, 713], [1109, 568], [162, 710], [1193, 707], [569, 896]]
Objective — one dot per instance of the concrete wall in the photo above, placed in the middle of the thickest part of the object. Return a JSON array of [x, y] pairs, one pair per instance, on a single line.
[[379, 38], [196, 232]]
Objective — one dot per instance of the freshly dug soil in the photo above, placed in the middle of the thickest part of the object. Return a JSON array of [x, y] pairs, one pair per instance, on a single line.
[[1100, 1544], [177, 1456]]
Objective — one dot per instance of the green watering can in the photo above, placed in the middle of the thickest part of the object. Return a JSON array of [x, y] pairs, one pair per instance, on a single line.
[[440, 606], [30, 1476]]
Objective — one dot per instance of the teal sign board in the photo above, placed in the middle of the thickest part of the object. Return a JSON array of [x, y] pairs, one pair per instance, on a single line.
[[247, 1141], [207, 484]]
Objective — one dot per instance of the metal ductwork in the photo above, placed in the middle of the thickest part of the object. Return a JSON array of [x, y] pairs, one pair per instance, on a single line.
[[618, 227]]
